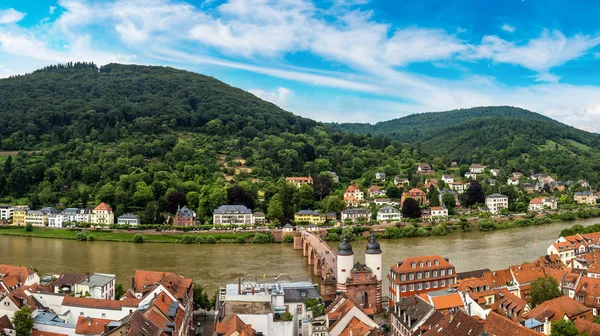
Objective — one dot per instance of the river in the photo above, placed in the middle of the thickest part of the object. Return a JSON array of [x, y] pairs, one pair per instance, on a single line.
[[214, 265]]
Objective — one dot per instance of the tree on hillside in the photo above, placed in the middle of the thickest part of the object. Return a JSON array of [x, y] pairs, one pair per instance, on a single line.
[[176, 200], [8, 166], [393, 192], [563, 328], [275, 210], [334, 204], [433, 195], [449, 201], [23, 321], [237, 195], [322, 186], [474, 194], [544, 289], [410, 208]]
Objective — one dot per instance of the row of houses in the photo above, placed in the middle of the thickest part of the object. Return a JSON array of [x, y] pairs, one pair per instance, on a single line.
[[157, 304], [51, 217]]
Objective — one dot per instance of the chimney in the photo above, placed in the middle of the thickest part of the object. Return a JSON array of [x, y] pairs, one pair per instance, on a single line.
[[89, 320], [133, 283], [87, 276], [239, 286]]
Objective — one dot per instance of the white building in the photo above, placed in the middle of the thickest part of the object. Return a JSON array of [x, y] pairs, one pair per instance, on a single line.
[[233, 214], [97, 286], [565, 250], [263, 304], [541, 203], [513, 181], [389, 214], [459, 187], [128, 219], [84, 216], [6, 212], [380, 176], [470, 175], [55, 220], [496, 202], [356, 213], [70, 215], [448, 178], [476, 168], [439, 212]]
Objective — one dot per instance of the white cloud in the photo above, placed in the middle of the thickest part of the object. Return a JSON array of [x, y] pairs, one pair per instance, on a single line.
[[10, 16], [52, 9], [369, 54], [278, 97], [508, 28], [551, 49]]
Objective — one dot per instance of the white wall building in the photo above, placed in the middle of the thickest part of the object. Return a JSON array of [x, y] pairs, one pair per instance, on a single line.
[[55, 220], [389, 214], [496, 202], [6, 212], [97, 285]]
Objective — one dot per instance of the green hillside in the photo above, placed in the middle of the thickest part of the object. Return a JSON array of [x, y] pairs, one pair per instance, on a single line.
[[495, 135], [146, 139]]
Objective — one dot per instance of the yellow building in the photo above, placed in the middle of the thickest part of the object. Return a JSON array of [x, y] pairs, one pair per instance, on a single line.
[[103, 214], [309, 216], [19, 214], [36, 218]]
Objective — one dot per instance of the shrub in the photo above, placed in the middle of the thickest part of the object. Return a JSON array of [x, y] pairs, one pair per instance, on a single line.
[[211, 240], [201, 240], [439, 230], [81, 237], [567, 216], [188, 240], [91, 238], [288, 238], [287, 316], [263, 238], [138, 239], [28, 227], [241, 240]]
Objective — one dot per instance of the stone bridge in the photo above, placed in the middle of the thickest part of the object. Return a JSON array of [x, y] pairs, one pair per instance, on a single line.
[[320, 256]]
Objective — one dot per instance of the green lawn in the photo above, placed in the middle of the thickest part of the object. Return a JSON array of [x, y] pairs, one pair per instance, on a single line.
[[114, 236]]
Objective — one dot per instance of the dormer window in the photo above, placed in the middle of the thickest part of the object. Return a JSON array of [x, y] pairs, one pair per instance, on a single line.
[[437, 263], [413, 265]]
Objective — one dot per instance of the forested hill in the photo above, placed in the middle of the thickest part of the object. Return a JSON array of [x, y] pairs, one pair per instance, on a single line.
[[69, 101], [495, 134], [132, 136]]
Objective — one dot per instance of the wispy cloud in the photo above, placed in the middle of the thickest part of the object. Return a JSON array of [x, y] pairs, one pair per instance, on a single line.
[[367, 56], [278, 97], [10, 16], [508, 28]]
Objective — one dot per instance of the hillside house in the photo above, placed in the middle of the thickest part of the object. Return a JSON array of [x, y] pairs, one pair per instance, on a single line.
[[438, 212], [496, 202], [584, 197], [103, 214], [389, 214], [185, 217], [309, 216], [128, 219], [353, 195], [356, 214], [541, 203], [416, 194], [299, 181], [470, 175], [375, 191], [380, 176], [448, 178], [401, 181], [514, 181], [476, 168], [495, 172], [425, 169]]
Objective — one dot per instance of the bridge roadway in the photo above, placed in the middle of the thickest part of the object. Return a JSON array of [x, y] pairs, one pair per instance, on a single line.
[[320, 255]]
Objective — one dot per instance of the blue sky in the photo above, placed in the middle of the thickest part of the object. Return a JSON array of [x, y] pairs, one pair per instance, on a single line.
[[336, 60]]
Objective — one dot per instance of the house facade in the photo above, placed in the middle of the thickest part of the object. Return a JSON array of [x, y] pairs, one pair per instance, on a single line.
[[416, 194], [496, 202], [19, 215], [356, 214], [299, 181], [416, 275], [103, 214], [584, 197], [375, 191], [232, 215], [389, 214], [476, 168], [310, 216], [128, 219], [541, 203], [353, 195]]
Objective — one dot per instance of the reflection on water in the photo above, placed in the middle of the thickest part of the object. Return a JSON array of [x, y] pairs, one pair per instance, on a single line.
[[214, 265]]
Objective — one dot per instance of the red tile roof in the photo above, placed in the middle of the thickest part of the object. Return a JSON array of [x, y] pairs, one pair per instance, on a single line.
[[92, 303], [21, 272], [233, 325], [498, 325], [90, 326], [145, 281], [556, 309], [587, 327], [103, 206], [460, 325], [406, 264], [356, 327]]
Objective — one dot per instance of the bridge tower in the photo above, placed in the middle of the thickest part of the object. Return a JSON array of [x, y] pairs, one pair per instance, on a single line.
[[345, 262]]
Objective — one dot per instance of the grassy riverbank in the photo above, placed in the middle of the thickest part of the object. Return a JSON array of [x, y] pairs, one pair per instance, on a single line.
[[122, 236]]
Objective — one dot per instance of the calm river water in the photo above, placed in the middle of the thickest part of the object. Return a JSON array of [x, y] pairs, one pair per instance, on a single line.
[[215, 265]]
